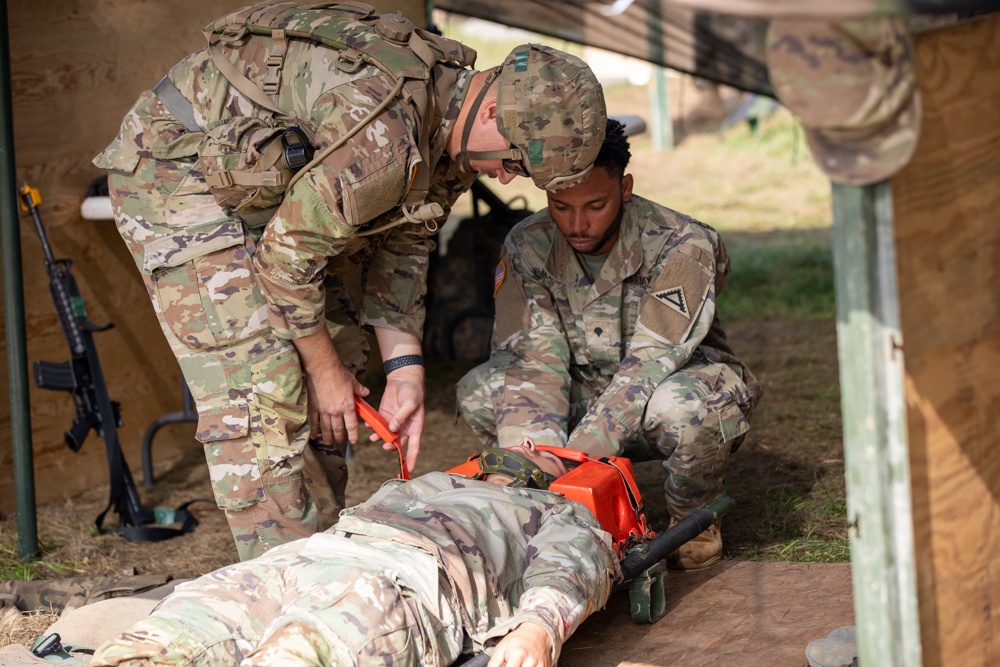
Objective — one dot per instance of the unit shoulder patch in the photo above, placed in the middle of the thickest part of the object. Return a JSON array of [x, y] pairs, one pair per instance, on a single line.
[[673, 298]]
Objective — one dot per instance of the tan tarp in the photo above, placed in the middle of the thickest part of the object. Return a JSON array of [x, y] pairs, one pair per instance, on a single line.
[[714, 47], [718, 40], [839, 9]]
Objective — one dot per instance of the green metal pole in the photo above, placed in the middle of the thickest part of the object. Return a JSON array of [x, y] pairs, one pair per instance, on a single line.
[[13, 297], [876, 451], [659, 102], [659, 98]]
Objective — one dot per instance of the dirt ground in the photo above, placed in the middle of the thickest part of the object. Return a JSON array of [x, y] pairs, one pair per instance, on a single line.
[[792, 459], [786, 479]]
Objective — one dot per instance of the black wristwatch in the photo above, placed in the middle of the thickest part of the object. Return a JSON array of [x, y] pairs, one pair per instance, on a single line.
[[405, 360]]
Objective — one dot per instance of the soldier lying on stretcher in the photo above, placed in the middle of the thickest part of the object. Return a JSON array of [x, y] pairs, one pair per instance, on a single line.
[[422, 570]]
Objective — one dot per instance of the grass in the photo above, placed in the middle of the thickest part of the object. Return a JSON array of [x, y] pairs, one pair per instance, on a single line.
[[12, 568], [799, 526], [786, 279]]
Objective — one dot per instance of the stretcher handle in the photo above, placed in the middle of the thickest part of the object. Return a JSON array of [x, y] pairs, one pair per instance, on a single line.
[[377, 423]]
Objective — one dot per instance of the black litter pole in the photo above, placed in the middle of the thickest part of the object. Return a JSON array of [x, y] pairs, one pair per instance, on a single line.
[[13, 307]]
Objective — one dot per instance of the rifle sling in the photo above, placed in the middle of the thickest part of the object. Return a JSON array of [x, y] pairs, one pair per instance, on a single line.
[[176, 103]]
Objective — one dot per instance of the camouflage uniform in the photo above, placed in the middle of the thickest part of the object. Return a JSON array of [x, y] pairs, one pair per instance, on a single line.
[[634, 362], [230, 296], [417, 573]]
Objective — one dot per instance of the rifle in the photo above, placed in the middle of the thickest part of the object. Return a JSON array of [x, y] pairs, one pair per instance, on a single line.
[[82, 377]]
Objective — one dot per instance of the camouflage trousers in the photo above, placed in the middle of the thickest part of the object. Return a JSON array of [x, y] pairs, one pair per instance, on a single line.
[[693, 421], [325, 600], [248, 384]]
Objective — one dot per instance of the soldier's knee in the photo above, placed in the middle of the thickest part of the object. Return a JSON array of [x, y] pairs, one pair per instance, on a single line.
[[695, 423], [473, 383], [473, 393]]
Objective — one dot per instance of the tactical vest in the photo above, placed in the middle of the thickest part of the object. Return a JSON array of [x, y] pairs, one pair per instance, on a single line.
[[249, 163]]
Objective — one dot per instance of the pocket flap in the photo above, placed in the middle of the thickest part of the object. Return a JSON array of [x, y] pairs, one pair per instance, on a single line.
[[223, 422], [194, 241], [375, 184]]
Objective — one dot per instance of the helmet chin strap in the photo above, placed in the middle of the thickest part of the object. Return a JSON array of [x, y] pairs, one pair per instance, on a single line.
[[465, 156]]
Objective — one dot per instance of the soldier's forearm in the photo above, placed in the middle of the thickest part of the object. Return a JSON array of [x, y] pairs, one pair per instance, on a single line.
[[393, 344]]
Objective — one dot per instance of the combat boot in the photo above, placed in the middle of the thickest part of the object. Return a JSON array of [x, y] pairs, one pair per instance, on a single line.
[[703, 551]]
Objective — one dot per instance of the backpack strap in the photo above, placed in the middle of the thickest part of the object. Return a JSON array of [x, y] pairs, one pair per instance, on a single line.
[[415, 81], [266, 105], [425, 103], [275, 61]]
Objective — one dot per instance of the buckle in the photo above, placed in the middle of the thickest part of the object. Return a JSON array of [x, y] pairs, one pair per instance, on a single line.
[[349, 61], [218, 179], [233, 33], [47, 645]]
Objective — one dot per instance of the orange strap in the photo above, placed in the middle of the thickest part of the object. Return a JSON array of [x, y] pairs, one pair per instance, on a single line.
[[377, 423]]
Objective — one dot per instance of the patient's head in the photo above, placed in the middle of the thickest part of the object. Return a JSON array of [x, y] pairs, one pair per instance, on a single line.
[[521, 465]]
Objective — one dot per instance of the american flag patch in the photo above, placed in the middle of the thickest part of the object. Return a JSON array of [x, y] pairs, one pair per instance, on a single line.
[[498, 277]]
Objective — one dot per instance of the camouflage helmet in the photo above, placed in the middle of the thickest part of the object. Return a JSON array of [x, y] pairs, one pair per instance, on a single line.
[[519, 467], [550, 107]]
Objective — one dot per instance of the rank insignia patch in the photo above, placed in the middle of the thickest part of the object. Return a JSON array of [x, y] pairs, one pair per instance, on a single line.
[[674, 299], [498, 277]]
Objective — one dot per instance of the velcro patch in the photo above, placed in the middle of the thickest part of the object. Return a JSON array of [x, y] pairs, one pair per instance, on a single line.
[[675, 297], [521, 61], [512, 311], [535, 154]]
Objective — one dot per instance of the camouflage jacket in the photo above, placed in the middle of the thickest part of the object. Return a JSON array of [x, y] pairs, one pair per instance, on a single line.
[[512, 555], [641, 319], [358, 187]]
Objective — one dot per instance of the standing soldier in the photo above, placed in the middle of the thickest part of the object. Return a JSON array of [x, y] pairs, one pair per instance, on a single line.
[[302, 149], [607, 340]]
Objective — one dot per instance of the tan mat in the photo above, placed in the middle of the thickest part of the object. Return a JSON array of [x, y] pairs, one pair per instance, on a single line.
[[737, 613], [740, 613]]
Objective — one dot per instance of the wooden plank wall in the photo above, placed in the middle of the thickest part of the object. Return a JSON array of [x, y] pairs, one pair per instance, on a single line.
[[77, 67], [947, 208]]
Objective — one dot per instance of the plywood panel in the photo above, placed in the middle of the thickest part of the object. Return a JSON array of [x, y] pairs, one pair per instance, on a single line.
[[735, 613], [77, 67], [947, 207]]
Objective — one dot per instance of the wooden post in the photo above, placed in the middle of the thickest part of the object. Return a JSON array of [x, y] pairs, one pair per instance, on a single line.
[[874, 411]]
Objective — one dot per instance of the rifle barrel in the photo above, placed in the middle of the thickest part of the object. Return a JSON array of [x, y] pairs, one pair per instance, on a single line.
[[29, 202]]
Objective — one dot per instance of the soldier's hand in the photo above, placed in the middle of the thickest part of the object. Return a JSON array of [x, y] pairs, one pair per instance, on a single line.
[[528, 645], [403, 408], [332, 414]]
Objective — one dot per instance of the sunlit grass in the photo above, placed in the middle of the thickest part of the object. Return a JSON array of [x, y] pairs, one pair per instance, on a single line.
[[11, 567], [783, 279]]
